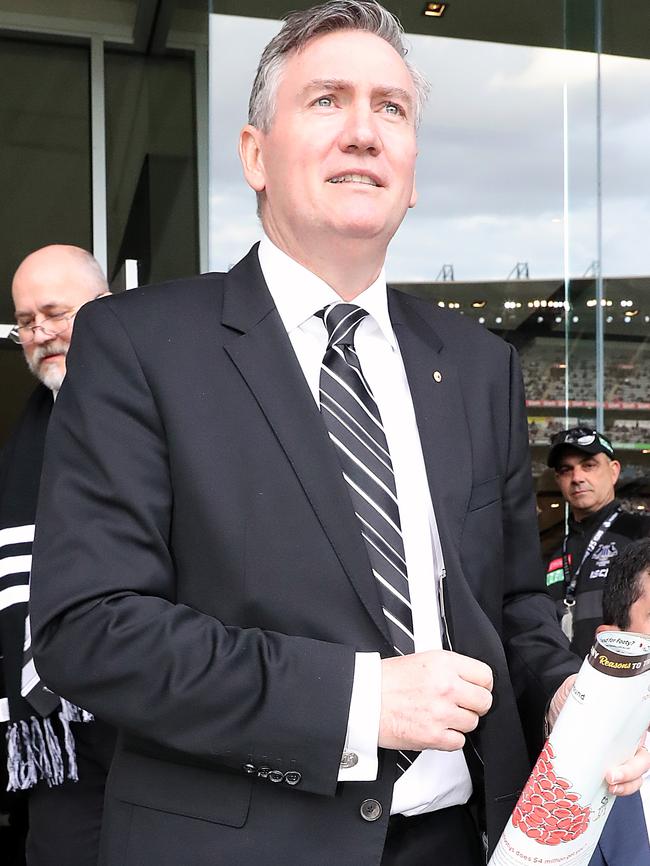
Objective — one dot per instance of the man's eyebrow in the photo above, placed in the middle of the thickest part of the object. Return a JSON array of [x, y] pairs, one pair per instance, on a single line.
[[326, 84], [52, 305], [397, 93]]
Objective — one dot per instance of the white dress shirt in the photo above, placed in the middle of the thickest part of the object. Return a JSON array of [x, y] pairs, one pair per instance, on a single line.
[[436, 779]]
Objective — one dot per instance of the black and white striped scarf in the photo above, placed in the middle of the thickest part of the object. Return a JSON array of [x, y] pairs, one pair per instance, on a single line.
[[34, 749]]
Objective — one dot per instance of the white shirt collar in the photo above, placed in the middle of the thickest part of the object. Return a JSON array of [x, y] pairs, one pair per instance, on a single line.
[[298, 293]]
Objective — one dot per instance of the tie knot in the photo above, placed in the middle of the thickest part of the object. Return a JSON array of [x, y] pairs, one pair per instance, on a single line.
[[342, 321]]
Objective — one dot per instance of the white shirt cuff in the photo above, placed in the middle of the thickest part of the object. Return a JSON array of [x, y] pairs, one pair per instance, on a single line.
[[359, 761]]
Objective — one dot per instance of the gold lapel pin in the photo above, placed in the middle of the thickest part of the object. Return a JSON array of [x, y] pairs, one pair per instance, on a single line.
[[437, 376]]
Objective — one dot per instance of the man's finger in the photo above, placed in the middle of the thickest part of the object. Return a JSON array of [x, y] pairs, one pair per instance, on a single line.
[[627, 778], [474, 671], [559, 698], [450, 741], [463, 721], [475, 698]]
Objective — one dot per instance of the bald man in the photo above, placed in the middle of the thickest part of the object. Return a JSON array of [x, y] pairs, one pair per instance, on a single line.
[[58, 761], [48, 289]]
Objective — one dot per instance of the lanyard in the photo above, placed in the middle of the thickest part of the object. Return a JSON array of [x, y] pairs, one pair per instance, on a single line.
[[570, 581]]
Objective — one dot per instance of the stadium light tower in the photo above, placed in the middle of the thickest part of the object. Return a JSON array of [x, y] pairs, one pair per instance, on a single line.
[[446, 274], [519, 272]]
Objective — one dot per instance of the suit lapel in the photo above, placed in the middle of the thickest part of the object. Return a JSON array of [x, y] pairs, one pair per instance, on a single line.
[[261, 350], [440, 412]]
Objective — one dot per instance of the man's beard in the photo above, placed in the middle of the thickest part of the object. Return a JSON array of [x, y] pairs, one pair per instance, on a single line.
[[50, 374]]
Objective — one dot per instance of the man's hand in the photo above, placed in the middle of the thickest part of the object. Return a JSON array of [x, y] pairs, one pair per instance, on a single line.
[[430, 700], [559, 699], [628, 777], [622, 780]]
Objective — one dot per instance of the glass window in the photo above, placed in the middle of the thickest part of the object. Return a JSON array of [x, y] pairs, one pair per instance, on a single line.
[[151, 165], [533, 215], [45, 174], [626, 267]]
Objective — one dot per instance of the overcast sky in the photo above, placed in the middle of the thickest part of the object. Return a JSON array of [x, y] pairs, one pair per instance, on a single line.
[[491, 165]]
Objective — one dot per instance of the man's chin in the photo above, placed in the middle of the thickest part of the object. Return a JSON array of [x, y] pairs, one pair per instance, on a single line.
[[48, 364], [364, 228], [51, 375], [585, 504]]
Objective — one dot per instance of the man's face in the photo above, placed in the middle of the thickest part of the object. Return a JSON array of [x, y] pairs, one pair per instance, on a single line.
[[586, 480], [47, 290], [338, 163]]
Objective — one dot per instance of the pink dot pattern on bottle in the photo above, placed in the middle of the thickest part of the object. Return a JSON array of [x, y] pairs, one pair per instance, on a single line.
[[548, 810]]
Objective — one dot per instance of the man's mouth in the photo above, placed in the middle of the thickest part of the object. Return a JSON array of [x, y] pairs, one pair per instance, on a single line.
[[353, 178], [45, 353]]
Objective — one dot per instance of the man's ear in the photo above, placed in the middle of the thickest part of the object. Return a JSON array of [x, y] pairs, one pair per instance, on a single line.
[[414, 194], [615, 469], [250, 154], [605, 627]]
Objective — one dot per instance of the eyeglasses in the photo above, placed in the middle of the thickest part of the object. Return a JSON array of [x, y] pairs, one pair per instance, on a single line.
[[51, 327], [575, 436]]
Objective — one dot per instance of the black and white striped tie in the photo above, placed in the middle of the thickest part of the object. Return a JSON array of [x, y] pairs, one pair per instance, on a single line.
[[354, 424]]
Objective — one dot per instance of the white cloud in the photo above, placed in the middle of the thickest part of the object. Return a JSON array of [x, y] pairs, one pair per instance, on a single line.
[[491, 164]]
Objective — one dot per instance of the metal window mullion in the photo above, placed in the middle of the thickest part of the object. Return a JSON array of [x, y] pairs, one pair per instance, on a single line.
[[98, 151], [201, 95], [566, 251], [600, 313]]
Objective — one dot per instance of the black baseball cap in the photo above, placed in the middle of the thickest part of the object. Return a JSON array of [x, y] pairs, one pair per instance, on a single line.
[[585, 439]]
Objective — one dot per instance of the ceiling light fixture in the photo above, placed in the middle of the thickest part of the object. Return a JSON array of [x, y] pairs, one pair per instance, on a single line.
[[435, 10]]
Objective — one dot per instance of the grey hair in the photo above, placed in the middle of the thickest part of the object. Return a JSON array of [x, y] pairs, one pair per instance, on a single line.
[[301, 27]]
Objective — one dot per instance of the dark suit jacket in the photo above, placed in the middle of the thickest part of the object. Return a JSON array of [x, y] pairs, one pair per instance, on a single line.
[[624, 840], [212, 584]]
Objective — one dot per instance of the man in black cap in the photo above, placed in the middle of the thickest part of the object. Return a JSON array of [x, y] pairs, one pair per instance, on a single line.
[[586, 471]]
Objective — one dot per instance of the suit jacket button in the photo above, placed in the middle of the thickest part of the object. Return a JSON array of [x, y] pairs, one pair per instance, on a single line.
[[249, 769], [349, 760], [263, 772], [276, 776], [371, 810], [292, 777]]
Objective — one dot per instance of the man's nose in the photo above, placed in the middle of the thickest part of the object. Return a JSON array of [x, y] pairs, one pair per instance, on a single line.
[[360, 132], [40, 336]]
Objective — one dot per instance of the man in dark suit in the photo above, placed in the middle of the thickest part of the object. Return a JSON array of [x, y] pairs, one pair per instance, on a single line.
[[313, 628], [60, 763]]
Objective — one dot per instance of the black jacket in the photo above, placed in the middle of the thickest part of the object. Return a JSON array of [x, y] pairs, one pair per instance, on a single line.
[[214, 586], [588, 611]]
